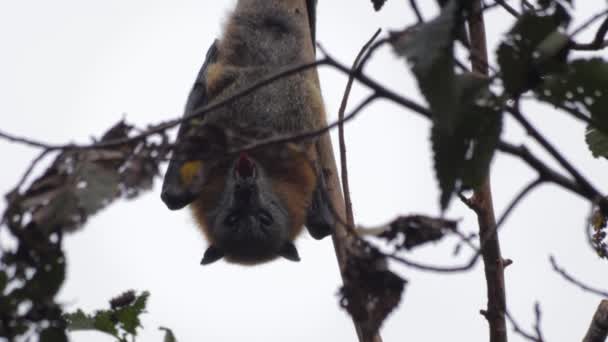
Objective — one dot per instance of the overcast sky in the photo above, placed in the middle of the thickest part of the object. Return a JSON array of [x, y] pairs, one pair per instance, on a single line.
[[70, 69]]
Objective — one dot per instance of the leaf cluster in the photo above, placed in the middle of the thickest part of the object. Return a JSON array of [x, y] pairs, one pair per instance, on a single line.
[[79, 183], [120, 321]]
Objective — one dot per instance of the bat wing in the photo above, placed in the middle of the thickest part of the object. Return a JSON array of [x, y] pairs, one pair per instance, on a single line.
[[175, 193], [320, 216], [311, 6]]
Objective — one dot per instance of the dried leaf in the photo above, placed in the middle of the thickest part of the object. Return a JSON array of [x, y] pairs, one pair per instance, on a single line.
[[371, 291]]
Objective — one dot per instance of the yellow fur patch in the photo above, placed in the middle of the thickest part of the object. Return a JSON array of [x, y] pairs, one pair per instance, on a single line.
[[189, 170]]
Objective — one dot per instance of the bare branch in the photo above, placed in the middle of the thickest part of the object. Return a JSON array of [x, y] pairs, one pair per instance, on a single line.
[[350, 220], [521, 332], [599, 41], [574, 281], [581, 181], [522, 194], [482, 201], [508, 8], [414, 6]]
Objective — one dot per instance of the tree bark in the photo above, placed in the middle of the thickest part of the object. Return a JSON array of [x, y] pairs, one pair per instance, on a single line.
[[482, 203], [598, 329]]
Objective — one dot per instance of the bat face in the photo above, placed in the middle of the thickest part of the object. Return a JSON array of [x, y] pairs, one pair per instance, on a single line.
[[250, 215]]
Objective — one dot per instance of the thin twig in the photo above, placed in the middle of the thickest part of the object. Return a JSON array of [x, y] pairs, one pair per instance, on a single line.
[[589, 189], [587, 23], [599, 41], [508, 8], [434, 268], [544, 171], [350, 220], [308, 134], [30, 168], [380, 91], [522, 194], [574, 281], [414, 6], [538, 317], [521, 332]]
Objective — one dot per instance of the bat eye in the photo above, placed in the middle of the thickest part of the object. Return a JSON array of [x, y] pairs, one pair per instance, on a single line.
[[231, 219], [265, 218]]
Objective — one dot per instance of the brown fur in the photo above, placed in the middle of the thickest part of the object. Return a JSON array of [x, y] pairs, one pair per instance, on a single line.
[[260, 38]]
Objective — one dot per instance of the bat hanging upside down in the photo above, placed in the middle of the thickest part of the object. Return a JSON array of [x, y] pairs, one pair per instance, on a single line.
[[251, 205]]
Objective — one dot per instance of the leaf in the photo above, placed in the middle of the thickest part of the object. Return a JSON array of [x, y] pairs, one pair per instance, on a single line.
[[463, 154], [583, 88], [466, 116], [169, 336], [79, 321], [484, 125], [597, 142], [371, 291], [518, 56], [416, 230], [428, 48], [128, 316], [122, 300], [53, 334], [106, 322]]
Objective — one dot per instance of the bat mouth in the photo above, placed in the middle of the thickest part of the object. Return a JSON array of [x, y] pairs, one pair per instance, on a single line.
[[259, 219], [245, 167]]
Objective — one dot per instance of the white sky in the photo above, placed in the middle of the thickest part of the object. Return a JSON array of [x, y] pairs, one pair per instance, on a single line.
[[69, 69]]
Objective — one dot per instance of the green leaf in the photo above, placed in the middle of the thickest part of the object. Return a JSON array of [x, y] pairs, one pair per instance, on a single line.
[[597, 142], [428, 48], [53, 334], [520, 61], [118, 322], [169, 336], [79, 321], [583, 88], [484, 124], [128, 316], [106, 322], [466, 116], [462, 156]]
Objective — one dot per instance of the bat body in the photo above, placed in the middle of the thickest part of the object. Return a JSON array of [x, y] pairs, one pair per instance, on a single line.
[[252, 205]]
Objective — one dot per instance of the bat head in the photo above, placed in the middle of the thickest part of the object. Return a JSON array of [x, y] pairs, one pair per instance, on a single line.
[[251, 209]]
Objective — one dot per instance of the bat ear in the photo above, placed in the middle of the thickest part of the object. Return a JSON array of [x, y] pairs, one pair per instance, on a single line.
[[212, 254], [320, 218], [289, 252]]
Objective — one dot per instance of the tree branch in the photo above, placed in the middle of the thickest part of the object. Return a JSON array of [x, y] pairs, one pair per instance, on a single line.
[[584, 184], [598, 41], [482, 201], [574, 281], [598, 330], [525, 191]]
